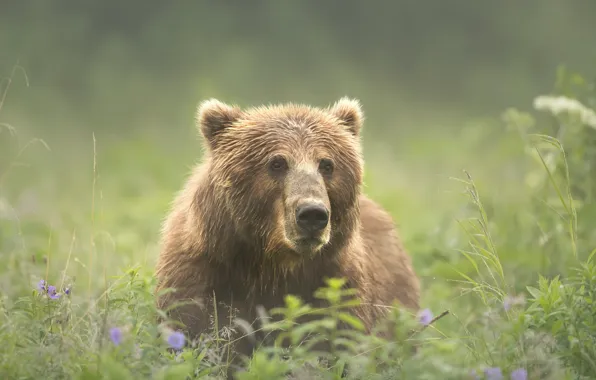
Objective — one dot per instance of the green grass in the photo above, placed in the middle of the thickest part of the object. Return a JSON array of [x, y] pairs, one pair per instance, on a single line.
[[484, 216]]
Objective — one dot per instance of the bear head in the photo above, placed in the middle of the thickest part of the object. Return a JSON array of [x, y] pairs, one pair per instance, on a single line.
[[287, 177]]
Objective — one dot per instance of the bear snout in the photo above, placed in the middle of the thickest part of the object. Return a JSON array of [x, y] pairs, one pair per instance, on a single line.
[[312, 217]]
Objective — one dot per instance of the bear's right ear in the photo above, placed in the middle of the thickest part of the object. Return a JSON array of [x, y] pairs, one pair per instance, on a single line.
[[213, 117]]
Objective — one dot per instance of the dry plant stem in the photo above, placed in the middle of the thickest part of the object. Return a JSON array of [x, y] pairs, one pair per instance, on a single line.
[[431, 322]]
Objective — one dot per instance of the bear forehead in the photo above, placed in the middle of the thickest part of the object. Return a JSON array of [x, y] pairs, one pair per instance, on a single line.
[[290, 138], [294, 122]]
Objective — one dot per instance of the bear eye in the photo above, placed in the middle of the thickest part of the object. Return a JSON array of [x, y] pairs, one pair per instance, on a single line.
[[326, 166], [278, 164]]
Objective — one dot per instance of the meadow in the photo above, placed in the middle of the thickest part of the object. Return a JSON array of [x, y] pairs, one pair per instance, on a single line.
[[498, 219]]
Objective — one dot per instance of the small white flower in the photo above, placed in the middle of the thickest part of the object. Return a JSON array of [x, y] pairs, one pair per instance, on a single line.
[[560, 104]]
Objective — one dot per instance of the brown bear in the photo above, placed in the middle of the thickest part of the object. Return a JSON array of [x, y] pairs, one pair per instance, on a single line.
[[274, 209]]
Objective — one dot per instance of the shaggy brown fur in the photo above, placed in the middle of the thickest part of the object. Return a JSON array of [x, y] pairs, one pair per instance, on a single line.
[[232, 231]]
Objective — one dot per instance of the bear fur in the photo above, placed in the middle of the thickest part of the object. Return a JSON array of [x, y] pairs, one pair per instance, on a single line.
[[233, 233]]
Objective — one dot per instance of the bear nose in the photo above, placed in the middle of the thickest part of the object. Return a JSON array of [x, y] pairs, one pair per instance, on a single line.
[[312, 217]]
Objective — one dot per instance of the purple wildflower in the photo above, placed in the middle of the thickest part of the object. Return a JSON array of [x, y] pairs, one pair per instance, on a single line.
[[176, 340], [507, 303], [425, 316], [52, 292], [41, 286], [493, 373], [510, 301], [67, 291], [116, 335], [519, 374]]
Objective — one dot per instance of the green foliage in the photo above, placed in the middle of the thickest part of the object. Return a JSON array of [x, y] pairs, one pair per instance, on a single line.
[[565, 310], [562, 145]]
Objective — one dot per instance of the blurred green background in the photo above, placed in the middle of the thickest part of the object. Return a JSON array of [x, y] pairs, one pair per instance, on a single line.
[[112, 88]]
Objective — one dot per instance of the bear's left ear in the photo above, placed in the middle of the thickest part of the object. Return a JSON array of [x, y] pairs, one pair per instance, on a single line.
[[213, 117], [349, 113]]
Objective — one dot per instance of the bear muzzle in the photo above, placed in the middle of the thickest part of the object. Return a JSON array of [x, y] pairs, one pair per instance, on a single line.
[[312, 218], [311, 225]]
